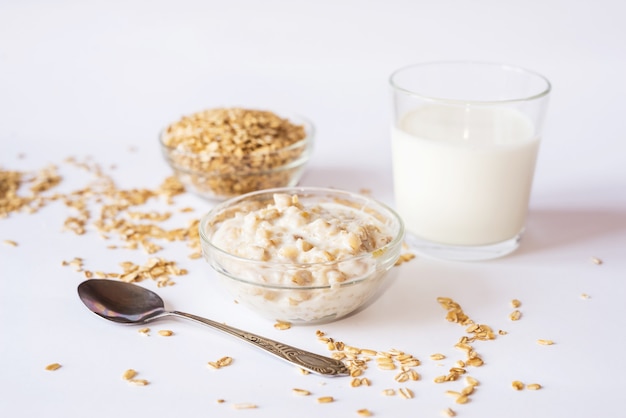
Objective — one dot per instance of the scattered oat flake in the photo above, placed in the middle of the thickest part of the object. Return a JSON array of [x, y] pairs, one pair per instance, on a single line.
[[472, 328], [144, 331], [325, 399], [389, 392], [282, 325], [516, 303], [244, 406], [301, 392], [545, 342], [404, 258], [53, 366], [517, 385], [475, 362], [472, 381], [364, 412], [220, 401], [448, 412], [468, 390], [386, 366], [166, 333], [10, 243], [533, 386], [585, 296], [515, 315], [223, 362], [458, 370], [139, 382], [408, 374], [383, 359], [439, 379], [437, 356], [129, 374], [349, 349], [406, 393], [596, 260]]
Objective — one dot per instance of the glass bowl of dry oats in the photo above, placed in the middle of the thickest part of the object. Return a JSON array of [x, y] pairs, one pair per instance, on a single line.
[[302, 254], [225, 152]]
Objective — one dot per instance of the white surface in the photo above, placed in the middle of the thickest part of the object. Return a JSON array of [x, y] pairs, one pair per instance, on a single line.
[[97, 78]]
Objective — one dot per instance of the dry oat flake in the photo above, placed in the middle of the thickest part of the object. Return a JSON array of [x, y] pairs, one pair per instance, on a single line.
[[53, 366], [221, 151]]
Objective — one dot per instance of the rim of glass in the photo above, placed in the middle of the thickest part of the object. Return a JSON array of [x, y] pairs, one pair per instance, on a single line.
[[503, 66], [390, 213]]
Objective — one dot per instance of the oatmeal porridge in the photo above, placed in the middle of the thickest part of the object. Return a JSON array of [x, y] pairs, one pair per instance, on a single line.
[[301, 259]]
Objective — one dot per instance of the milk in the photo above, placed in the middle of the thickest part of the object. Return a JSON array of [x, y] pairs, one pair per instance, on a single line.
[[462, 176]]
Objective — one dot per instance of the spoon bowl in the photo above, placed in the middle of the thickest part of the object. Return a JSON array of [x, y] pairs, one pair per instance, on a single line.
[[127, 303], [121, 302]]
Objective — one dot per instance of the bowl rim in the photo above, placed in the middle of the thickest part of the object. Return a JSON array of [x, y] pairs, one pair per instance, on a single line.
[[390, 213], [295, 118]]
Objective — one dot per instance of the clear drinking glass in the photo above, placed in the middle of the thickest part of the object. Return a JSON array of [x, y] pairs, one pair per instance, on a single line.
[[465, 138]]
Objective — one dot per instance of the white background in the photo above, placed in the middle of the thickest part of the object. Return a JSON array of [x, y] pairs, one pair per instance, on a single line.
[[101, 78]]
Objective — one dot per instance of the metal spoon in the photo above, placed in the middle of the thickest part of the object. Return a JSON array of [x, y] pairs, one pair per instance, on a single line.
[[127, 303]]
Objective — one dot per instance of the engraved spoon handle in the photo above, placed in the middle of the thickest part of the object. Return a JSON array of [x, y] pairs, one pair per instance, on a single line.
[[304, 359]]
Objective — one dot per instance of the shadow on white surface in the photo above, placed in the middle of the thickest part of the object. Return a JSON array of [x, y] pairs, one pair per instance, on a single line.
[[552, 229], [348, 178]]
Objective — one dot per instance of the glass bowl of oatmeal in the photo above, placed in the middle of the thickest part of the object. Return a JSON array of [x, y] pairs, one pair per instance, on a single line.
[[225, 152], [302, 254]]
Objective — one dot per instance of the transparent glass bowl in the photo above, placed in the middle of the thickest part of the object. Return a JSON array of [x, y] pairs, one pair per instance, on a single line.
[[240, 174], [265, 286]]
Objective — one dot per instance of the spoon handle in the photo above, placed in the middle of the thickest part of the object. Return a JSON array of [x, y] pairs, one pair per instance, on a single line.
[[304, 359]]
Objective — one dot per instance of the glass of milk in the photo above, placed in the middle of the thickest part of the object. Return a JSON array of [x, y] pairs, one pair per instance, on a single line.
[[465, 137]]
